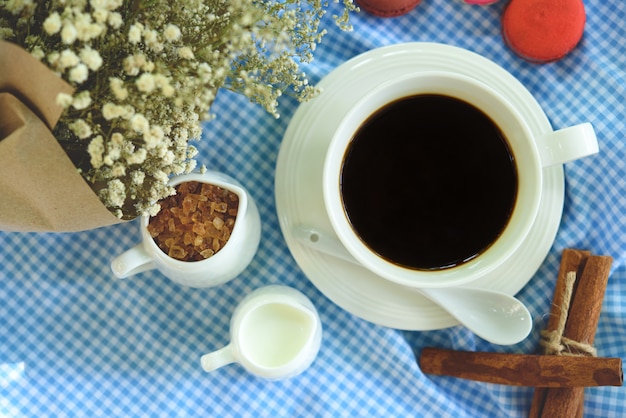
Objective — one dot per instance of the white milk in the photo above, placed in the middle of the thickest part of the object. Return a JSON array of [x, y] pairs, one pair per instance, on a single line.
[[273, 334]]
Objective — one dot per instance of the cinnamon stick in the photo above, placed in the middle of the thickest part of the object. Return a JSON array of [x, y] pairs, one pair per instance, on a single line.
[[581, 326], [523, 369], [571, 260]]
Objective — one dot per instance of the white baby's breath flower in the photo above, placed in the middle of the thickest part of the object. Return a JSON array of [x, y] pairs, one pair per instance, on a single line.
[[139, 123], [91, 58], [134, 63], [106, 4], [204, 72], [152, 41], [118, 89], [112, 111], [150, 36], [100, 15], [64, 100], [86, 29], [53, 58], [195, 131], [115, 193], [118, 170], [146, 83], [81, 128], [137, 60], [15, 6], [82, 100], [134, 33], [108, 111], [128, 112], [172, 33], [138, 157], [161, 176], [69, 33], [79, 74], [52, 24], [167, 90], [148, 66], [115, 20], [113, 154], [153, 210], [191, 151], [163, 83], [6, 33], [168, 158], [191, 165], [177, 167], [90, 31], [137, 177], [24, 8], [185, 53], [38, 53], [153, 137], [99, 4], [95, 150], [117, 139], [159, 147], [67, 59], [182, 135]]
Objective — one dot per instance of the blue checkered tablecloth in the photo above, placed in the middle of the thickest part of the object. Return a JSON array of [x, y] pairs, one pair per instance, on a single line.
[[75, 341]]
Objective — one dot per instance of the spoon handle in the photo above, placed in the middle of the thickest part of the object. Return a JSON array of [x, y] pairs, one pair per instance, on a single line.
[[494, 316], [323, 242]]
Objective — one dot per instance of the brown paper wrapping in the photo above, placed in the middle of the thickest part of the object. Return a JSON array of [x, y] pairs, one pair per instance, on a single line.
[[40, 189]]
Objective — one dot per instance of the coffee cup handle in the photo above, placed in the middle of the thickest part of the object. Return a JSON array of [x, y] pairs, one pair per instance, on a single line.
[[131, 262], [568, 144]]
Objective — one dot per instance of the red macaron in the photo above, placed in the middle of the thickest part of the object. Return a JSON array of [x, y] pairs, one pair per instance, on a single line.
[[543, 30], [387, 8]]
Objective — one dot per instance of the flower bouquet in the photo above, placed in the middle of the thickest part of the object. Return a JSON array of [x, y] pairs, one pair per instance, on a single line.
[[100, 99]]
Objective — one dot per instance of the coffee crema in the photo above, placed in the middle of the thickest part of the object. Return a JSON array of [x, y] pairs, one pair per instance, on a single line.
[[428, 182]]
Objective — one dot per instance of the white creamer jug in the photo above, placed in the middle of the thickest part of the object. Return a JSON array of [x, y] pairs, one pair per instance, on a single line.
[[275, 334]]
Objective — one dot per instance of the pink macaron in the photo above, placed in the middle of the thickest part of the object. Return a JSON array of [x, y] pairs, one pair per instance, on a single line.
[[543, 30], [387, 8]]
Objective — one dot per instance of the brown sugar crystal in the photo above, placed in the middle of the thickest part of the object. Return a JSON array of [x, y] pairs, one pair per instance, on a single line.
[[196, 222]]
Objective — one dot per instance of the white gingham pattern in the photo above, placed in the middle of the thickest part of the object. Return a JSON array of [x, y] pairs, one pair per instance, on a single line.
[[76, 342]]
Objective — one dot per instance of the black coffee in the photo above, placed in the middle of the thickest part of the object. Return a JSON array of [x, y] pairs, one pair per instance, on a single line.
[[429, 182]]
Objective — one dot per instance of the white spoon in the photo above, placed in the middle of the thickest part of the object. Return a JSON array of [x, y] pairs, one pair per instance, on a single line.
[[494, 316]]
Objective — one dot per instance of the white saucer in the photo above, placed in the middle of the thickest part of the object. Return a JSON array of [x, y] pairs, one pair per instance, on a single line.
[[299, 199]]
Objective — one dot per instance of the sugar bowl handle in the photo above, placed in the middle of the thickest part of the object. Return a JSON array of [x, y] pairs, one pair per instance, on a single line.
[[131, 262]]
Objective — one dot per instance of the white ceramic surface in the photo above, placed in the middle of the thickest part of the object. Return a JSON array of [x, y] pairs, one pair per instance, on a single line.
[[276, 333], [225, 265], [299, 197]]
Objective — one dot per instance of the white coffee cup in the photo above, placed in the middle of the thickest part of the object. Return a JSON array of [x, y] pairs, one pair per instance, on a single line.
[[531, 154], [223, 266], [275, 334]]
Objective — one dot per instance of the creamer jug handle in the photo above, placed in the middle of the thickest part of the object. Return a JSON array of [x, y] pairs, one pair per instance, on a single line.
[[216, 359]]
